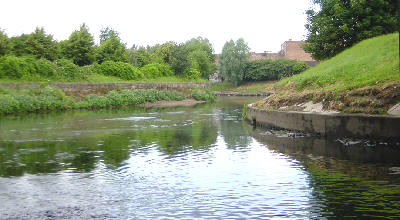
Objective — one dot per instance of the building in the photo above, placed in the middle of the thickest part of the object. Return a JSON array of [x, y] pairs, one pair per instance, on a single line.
[[289, 50]]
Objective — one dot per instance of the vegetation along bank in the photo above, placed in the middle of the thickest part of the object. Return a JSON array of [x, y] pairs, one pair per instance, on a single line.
[[49, 98]]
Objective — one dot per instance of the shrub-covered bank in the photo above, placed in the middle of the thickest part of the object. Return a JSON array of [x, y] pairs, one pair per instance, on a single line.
[[52, 99]]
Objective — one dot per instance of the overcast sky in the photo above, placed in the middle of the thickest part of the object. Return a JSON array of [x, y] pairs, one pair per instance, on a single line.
[[264, 24]]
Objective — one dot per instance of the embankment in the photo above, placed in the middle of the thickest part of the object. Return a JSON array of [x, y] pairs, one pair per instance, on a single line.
[[328, 124]]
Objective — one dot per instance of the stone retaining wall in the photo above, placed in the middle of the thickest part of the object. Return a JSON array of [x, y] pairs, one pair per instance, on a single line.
[[332, 125], [82, 89]]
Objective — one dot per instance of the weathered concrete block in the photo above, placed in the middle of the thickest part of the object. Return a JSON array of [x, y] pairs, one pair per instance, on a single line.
[[329, 124]]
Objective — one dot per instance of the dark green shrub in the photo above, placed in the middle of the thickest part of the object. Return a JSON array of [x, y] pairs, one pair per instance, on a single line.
[[192, 73], [16, 67], [155, 70], [151, 71], [120, 69], [299, 67], [68, 71], [267, 69]]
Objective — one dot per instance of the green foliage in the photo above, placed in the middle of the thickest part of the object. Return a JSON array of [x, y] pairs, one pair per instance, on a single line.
[[30, 68], [267, 69], [244, 111], [180, 61], [112, 49], [37, 44], [5, 45], [79, 47], [371, 62], [44, 99], [156, 70], [13, 67], [139, 57], [233, 59], [339, 24], [120, 69], [192, 73], [201, 56], [68, 71], [203, 95], [53, 99]]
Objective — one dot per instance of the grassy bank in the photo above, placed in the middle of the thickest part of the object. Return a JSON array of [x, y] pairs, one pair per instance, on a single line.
[[361, 79], [48, 98], [245, 88]]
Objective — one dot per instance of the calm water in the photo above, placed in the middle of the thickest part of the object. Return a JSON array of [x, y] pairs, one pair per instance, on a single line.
[[187, 162]]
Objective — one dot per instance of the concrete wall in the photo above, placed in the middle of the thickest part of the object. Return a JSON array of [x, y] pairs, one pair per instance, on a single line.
[[82, 89], [333, 125]]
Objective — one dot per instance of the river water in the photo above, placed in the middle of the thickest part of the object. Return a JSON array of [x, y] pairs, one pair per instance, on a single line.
[[199, 162]]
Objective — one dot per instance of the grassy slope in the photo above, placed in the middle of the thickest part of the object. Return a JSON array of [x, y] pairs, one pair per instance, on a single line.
[[247, 87], [370, 62], [361, 79]]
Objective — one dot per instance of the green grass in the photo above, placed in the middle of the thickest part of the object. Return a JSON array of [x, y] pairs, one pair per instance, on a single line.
[[247, 87], [371, 62]]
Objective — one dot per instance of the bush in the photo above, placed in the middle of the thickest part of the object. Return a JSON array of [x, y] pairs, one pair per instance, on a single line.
[[267, 69], [14, 67], [204, 95], [192, 73], [20, 67], [155, 70], [66, 69], [120, 69]]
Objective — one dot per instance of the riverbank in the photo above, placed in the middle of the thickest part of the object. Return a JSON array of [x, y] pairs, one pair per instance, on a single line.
[[48, 98], [363, 79]]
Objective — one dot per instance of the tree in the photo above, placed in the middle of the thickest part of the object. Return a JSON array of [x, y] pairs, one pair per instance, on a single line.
[[233, 60], [339, 24], [201, 55], [37, 43], [111, 48], [180, 62], [79, 47], [106, 33], [4, 43]]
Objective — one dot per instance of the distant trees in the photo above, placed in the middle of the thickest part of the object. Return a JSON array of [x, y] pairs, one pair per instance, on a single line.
[[4, 43], [233, 61], [192, 59], [111, 47], [79, 47], [340, 24], [37, 44]]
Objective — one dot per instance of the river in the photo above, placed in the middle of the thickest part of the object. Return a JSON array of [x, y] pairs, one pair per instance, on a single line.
[[200, 162]]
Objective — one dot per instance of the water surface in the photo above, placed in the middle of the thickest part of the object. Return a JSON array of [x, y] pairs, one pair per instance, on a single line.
[[186, 162]]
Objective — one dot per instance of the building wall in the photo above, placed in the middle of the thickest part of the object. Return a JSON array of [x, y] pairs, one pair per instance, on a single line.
[[292, 50]]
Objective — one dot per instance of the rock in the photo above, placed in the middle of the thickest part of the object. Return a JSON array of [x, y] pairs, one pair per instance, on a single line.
[[311, 107], [395, 110], [317, 107]]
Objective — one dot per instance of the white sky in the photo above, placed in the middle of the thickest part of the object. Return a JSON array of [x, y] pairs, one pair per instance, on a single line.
[[264, 24]]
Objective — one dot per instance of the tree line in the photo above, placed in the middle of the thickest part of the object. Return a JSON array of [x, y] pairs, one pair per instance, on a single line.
[[192, 59]]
